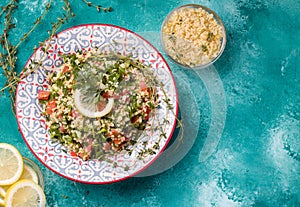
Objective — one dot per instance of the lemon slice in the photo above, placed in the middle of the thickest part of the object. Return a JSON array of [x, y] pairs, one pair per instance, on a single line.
[[25, 193], [11, 164], [91, 110], [29, 174], [3, 191], [1, 202]]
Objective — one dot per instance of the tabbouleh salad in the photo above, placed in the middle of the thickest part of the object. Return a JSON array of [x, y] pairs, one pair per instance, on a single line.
[[114, 99]]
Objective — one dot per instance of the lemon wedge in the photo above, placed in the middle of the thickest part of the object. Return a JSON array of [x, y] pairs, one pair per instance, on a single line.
[[91, 110], [25, 193], [11, 164]]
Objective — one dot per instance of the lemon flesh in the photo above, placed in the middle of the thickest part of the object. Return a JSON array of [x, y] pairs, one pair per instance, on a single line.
[[29, 174], [91, 110], [1, 201], [11, 164], [3, 190]]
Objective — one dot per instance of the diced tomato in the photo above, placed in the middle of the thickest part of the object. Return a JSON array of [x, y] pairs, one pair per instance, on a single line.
[[113, 133], [88, 149], [107, 146], [106, 95], [134, 119], [147, 113], [124, 92], [52, 103], [66, 69], [75, 113], [116, 97], [101, 105], [143, 86], [117, 141], [60, 116], [62, 129], [48, 110], [50, 106], [73, 154], [81, 154], [43, 95]]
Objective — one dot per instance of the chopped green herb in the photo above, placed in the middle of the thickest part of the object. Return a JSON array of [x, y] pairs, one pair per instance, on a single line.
[[210, 35]]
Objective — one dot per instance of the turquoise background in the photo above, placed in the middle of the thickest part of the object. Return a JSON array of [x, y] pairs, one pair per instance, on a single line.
[[257, 160]]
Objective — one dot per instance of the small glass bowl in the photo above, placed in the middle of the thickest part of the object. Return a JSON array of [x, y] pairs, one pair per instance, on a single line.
[[37, 169], [187, 48]]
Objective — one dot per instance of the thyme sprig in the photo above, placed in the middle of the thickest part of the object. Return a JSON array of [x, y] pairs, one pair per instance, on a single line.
[[51, 33], [98, 7], [7, 66], [36, 23], [8, 55], [7, 6]]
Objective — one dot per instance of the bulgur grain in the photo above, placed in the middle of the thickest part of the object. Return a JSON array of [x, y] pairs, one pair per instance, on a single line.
[[192, 36]]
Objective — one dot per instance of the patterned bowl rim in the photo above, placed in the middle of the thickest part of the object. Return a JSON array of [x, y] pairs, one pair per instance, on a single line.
[[167, 140]]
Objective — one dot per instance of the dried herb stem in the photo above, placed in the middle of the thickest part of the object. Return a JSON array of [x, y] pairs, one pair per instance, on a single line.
[[98, 7], [8, 56], [36, 23], [45, 47], [5, 8]]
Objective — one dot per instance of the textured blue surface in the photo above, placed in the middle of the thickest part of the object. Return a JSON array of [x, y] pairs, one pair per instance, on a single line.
[[257, 159]]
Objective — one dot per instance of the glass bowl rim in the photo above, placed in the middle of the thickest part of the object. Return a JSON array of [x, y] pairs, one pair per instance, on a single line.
[[37, 169]]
